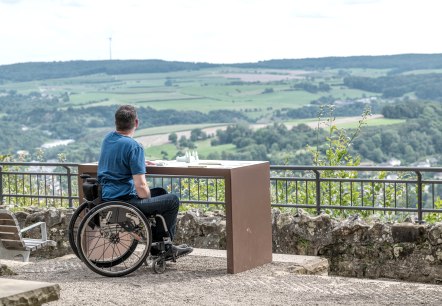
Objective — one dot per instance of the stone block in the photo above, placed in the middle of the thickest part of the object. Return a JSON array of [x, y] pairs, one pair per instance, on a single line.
[[406, 232]]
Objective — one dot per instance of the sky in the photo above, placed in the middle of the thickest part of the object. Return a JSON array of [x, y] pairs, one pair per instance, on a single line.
[[215, 31]]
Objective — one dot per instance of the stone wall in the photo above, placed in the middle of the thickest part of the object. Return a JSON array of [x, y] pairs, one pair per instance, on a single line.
[[354, 247]]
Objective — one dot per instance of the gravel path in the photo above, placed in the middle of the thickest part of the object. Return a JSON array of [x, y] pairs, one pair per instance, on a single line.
[[197, 280]]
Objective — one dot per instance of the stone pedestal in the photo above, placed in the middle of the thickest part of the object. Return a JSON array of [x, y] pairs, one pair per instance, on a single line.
[[21, 292]]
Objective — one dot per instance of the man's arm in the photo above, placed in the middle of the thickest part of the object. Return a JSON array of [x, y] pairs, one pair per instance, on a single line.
[[141, 187]]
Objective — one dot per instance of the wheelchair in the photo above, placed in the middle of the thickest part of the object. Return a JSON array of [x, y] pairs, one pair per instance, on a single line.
[[114, 238]]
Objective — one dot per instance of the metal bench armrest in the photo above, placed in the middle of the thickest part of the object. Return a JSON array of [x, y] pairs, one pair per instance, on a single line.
[[44, 234]]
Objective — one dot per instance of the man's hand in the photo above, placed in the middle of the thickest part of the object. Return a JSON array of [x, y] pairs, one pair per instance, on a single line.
[[149, 163]]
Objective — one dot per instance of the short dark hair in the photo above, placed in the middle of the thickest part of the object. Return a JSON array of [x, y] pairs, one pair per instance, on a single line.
[[125, 117]]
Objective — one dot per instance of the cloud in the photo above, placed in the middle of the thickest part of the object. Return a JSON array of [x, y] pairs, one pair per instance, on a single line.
[[215, 31], [10, 1], [355, 2]]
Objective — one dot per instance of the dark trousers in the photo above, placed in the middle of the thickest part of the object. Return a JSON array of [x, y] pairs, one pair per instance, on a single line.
[[162, 203]]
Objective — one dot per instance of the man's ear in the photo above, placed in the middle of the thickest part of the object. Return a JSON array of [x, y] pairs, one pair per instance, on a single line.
[[136, 123]]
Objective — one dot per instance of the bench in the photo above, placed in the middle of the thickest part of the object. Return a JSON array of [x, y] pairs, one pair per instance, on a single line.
[[12, 244]]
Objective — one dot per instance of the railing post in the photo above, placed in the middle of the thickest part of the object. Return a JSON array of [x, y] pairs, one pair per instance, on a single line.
[[318, 191], [419, 196], [1, 185], [68, 173]]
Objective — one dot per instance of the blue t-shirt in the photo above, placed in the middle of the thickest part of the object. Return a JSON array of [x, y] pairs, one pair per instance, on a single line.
[[121, 157]]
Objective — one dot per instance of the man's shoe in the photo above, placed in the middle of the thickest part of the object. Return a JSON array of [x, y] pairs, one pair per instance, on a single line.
[[154, 251], [175, 252]]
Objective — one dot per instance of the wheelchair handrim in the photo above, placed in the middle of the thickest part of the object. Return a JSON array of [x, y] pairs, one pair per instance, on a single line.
[[104, 239]]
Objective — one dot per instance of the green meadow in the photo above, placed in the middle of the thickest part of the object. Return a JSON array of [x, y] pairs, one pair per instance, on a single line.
[[203, 147], [371, 122], [203, 90], [166, 129]]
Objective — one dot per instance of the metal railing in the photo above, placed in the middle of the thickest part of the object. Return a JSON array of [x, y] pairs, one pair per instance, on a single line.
[[199, 190], [409, 190], [39, 184], [415, 191]]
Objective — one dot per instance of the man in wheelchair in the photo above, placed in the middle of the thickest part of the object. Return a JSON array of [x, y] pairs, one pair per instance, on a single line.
[[121, 174]]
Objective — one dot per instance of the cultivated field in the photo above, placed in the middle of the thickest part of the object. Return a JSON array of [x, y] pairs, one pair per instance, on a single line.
[[203, 90]]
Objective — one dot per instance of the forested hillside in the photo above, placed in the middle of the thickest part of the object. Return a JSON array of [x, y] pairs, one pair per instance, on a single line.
[[49, 70], [398, 63], [424, 86], [420, 135]]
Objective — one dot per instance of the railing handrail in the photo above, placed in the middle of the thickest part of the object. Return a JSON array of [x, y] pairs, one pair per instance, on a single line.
[[358, 168], [40, 164], [272, 167]]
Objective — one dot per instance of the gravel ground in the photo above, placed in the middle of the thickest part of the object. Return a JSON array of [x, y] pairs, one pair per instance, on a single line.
[[198, 280]]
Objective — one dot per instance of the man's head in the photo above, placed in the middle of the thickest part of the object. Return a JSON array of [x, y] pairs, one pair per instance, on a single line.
[[126, 118]]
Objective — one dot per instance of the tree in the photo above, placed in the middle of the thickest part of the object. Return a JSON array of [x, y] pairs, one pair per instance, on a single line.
[[197, 134], [164, 155], [173, 138]]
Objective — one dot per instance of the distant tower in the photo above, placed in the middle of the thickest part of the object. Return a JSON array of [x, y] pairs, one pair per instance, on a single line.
[[110, 48]]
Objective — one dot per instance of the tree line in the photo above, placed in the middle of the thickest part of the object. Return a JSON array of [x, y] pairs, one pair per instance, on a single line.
[[419, 137], [398, 63], [424, 86], [49, 70]]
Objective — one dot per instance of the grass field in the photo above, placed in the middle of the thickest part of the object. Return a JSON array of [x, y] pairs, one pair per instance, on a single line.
[[203, 90], [363, 72], [341, 122], [173, 128], [371, 122], [203, 147]]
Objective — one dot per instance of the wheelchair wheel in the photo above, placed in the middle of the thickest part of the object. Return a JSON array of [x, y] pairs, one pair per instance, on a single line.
[[107, 235], [75, 221], [74, 224]]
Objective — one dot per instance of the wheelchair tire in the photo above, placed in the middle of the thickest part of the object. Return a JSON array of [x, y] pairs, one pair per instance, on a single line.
[[114, 239], [75, 221], [74, 224]]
